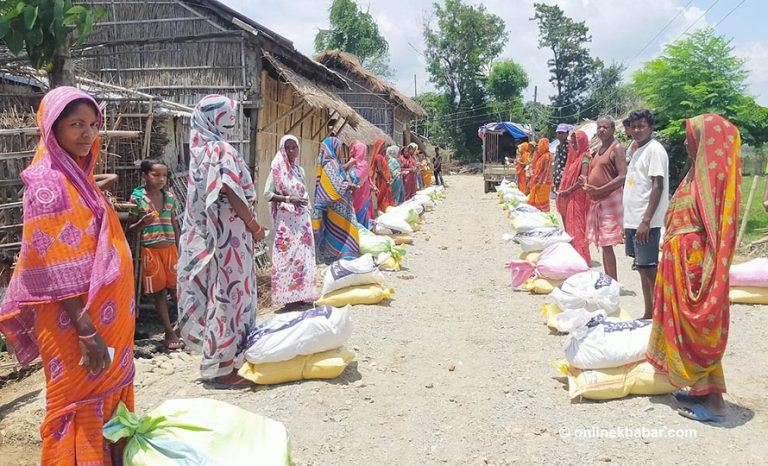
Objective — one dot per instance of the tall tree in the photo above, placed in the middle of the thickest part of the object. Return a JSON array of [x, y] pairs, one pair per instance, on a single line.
[[505, 84], [355, 31], [45, 30], [695, 75], [460, 48], [571, 65]]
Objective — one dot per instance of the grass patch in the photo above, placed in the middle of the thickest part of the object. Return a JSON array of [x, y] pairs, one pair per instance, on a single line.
[[758, 218]]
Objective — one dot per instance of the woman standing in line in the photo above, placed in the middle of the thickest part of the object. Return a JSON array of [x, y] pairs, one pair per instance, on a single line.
[[216, 283], [293, 253]]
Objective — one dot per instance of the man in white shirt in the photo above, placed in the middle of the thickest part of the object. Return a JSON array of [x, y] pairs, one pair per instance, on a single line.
[[646, 197]]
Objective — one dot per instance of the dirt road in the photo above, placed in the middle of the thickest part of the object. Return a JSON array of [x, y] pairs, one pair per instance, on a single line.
[[456, 370]]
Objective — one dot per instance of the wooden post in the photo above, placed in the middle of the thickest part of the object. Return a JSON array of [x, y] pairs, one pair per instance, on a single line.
[[745, 217]]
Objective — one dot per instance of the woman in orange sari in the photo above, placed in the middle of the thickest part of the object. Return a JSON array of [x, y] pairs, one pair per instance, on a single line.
[[381, 178], [691, 310], [521, 163], [571, 198], [70, 299], [541, 177]]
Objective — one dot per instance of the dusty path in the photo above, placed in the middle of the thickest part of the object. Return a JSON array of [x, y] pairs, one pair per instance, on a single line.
[[456, 370]]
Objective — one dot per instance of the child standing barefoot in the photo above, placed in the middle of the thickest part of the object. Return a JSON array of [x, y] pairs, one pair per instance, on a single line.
[[154, 214]]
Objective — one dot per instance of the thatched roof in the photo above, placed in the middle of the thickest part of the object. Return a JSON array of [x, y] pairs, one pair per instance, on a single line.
[[366, 132], [313, 94], [336, 59]]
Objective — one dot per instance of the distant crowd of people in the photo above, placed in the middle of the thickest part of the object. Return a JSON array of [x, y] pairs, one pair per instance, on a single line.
[[620, 194]]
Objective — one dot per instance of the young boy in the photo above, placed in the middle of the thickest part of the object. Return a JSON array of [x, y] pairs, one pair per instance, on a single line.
[[153, 212]]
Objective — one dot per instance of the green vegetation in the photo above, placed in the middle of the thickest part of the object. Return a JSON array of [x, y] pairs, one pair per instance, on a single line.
[[757, 226]]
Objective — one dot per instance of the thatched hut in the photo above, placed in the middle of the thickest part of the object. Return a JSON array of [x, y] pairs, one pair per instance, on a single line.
[[183, 50], [376, 100]]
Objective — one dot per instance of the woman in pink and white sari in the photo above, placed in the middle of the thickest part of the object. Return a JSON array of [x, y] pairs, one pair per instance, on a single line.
[[360, 175], [293, 256]]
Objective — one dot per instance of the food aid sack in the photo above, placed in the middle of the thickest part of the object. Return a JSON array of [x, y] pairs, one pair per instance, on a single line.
[[392, 222], [525, 222], [287, 335], [345, 273], [557, 262], [376, 245], [540, 238], [753, 273], [364, 294], [390, 263], [591, 290], [550, 312], [597, 342], [748, 295], [325, 365], [637, 378], [540, 285], [198, 431], [425, 201], [560, 261], [520, 209]]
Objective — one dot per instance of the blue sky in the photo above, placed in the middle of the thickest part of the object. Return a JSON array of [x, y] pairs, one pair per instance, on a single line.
[[620, 28]]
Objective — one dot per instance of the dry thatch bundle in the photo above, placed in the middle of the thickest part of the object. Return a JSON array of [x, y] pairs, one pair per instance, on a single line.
[[365, 132], [342, 60], [314, 95]]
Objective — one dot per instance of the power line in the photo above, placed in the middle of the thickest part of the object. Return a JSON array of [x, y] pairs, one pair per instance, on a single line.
[[661, 31], [697, 20], [729, 13]]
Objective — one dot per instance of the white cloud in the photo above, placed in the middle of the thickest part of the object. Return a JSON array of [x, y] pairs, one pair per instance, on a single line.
[[619, 29]]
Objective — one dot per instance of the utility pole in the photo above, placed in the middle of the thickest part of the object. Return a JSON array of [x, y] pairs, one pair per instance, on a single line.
[[415, 94], [533, 112]]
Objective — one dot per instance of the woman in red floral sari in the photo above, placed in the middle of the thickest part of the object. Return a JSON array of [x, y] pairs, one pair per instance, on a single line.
[[691, 309], [571, 198]]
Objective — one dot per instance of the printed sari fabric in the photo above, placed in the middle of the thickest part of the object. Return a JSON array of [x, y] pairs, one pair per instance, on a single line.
[[410, 173], [382, 177], [573, 208], [333, 217], [426, 174], [398, 189], [360, 175], [541, 178], [691, 308], [521, 163], [216, 284], [293, 255], [72, 245]]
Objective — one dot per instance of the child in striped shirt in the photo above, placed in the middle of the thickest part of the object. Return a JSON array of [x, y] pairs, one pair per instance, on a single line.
[[153, 212]]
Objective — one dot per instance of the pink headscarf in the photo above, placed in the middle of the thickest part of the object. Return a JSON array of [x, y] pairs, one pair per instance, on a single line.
[[359, 152], [46, 198]]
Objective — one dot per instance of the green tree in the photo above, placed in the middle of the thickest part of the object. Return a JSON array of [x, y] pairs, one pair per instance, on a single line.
[[505, 84], [45, 30], [355, 31], [607, 93], [571, 65], [460, 48], [695, 75], [437, 107]]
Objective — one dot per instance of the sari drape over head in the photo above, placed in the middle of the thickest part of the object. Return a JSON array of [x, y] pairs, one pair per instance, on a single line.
[[293, 253], [573, 208], [398, 188], [691, 308], [216, 283], [382, 177], [333, 217], [540, 183], [410, 173], [521, 162], [72, 245], [360, 175]]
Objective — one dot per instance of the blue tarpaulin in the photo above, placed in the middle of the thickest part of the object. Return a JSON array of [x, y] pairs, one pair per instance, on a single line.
[[516, 130]]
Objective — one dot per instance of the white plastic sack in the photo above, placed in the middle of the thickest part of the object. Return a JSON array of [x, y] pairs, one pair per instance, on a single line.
[[288, 335], [529, 221], [752, 273], [346, 273], [371, 243], [591, 290], [394, 222], [522, 209], [540, 238], [560, 261], [602, 343], [425, 201]]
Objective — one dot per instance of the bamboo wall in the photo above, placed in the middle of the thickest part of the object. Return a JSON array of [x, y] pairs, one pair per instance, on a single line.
[[277, 98]]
